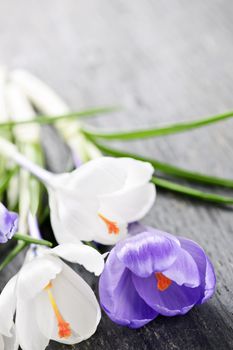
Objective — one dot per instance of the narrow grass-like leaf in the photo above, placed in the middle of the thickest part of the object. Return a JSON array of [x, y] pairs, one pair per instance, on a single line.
[[191, 192], [4, 181], [157, 131], [13, 253], [168, 168], [45, 119]]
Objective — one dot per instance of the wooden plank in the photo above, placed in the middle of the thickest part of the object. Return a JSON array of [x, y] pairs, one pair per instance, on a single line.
[[162, 61]]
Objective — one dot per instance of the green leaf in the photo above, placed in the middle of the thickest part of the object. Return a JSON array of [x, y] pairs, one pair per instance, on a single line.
[[13, 253], [46, 119], [168, 168], [30, 240], [191, 192], [157, 131], [4, 181], [35, 195]]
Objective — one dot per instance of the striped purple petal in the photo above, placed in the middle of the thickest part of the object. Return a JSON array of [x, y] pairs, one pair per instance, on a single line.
[[8, 224], [205, 267], [175, 300], [148, 252], [153, 273], [119, 298]]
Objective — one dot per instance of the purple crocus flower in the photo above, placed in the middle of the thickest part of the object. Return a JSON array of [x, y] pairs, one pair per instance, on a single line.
[[154, 273], [8, 224]]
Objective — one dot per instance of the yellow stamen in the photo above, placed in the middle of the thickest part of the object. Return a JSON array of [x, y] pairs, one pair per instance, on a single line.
[[64, 330], [163, 282], [111, 225]]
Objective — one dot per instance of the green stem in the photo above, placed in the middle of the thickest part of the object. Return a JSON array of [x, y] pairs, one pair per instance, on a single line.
[[157, 131], [18, 248], [23, 242], [6, 179], [46, 119], [30, 240], [185, 190], [169, 169]]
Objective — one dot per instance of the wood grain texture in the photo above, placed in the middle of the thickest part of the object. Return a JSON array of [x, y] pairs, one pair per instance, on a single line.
[[162, 61]]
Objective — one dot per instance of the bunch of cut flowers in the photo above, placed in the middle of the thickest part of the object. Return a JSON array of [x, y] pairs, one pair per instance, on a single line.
[[95, 210]]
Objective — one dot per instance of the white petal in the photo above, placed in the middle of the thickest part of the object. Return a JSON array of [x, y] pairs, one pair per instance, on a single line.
[[60, 231], [28, 333], [104, 237], [21, 109], [46, 319], [107, 186], [36, 275], [81, 254], [138, 172], [128, 205], [42, 96], [44, 314], [77, 304], [7, 307], [99, 176], [74, 219]]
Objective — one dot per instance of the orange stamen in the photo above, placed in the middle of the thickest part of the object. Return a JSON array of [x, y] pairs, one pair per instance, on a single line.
[[111, 225], [64, 330], [163, 282]]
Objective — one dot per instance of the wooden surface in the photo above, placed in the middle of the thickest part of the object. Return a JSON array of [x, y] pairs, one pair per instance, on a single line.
[[162, 61]]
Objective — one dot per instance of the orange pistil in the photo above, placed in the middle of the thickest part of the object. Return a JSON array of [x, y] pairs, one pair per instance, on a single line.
[[163, 282], [111, 225], [64, 330]]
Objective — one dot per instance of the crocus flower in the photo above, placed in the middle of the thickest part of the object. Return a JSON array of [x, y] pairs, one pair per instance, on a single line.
[[8, 224], [51, 300], [99, 199], [154, 273], [95, 201], [47, 102]]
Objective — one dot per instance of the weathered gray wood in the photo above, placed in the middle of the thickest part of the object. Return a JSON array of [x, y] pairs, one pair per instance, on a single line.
[[162, 61]]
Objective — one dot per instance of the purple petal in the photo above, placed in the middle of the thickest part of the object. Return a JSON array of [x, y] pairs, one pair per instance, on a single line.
[[8, 224], [119, 298], [175, 300], [205, 267], [184, 271], [210, 282], [148, 252], [135, 228]]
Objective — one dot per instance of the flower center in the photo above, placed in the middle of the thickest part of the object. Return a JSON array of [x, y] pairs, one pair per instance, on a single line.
[[64, 330], [163, 282], [111, 225]]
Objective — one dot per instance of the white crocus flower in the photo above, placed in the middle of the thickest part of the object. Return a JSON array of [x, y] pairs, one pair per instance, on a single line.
[[51, 301], [97, 200], [47, 101]]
